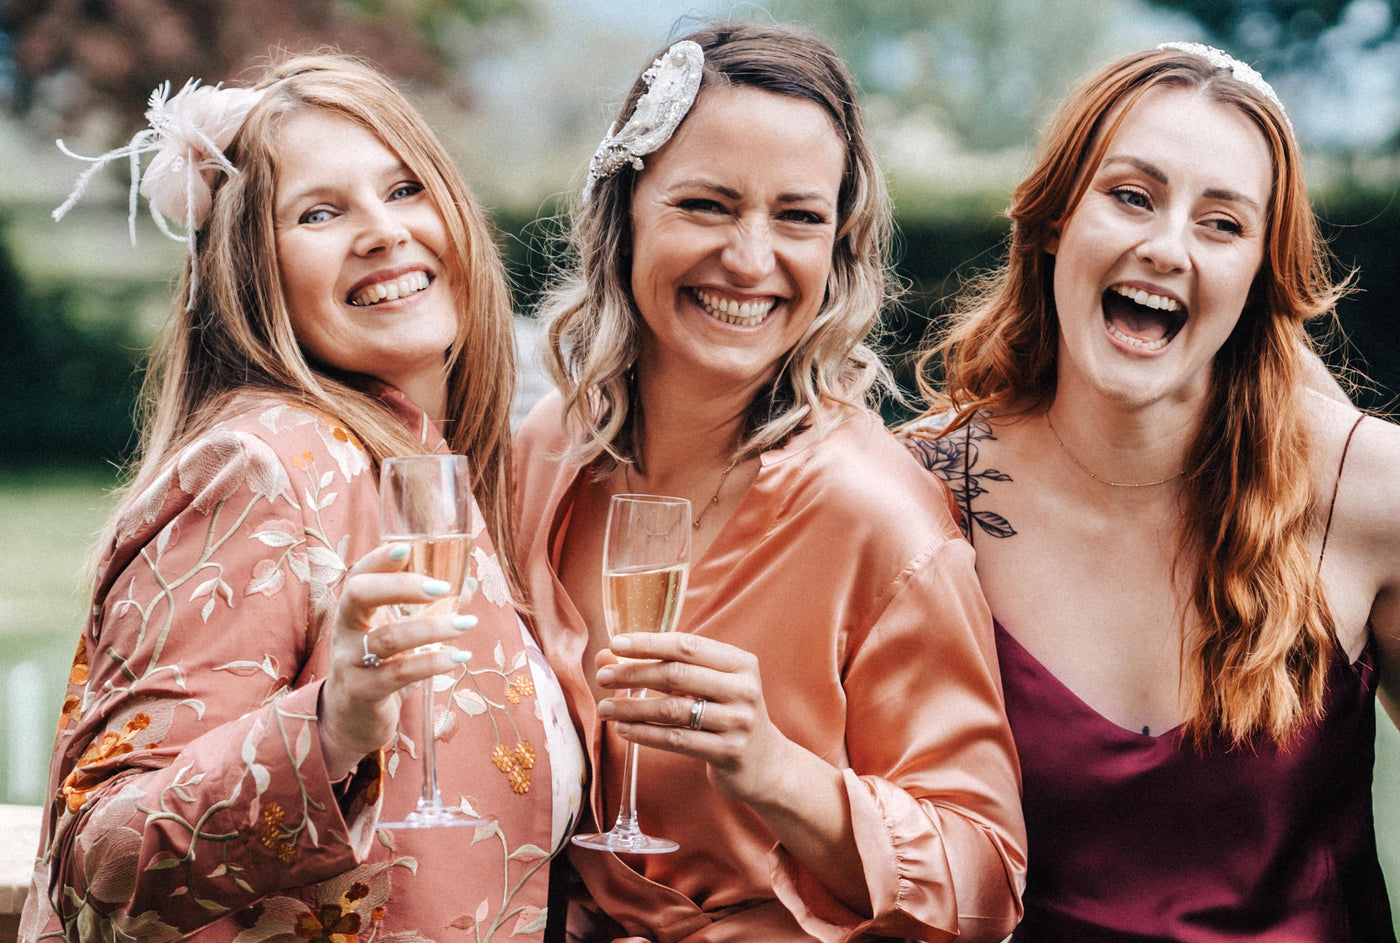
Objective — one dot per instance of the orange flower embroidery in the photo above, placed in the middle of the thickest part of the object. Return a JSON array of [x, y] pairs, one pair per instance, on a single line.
[[78, 674], [84, 779], [520, 686], [516, 764], [272, 834]]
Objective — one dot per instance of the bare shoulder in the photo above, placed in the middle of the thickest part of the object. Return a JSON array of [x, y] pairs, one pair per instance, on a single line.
[[964, 459], [1356, 457]]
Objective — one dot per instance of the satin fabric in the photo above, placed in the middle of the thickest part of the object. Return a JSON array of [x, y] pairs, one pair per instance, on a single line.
[[1246, 844], [842, 569], [188, 794]]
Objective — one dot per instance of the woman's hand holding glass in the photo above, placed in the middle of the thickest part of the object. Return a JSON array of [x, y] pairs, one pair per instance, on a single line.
[[360, 706], [695, 679]]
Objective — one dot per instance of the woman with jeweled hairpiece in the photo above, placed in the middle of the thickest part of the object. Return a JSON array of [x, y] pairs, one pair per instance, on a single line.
[[825, 741], [1193, 558], [242, 713]]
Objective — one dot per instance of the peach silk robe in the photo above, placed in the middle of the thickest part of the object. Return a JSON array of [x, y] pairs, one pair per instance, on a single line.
[[843, 570], [188, 794]]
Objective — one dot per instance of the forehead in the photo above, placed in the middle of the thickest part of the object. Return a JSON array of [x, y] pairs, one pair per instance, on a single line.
[[728, 124], [1191, 133]]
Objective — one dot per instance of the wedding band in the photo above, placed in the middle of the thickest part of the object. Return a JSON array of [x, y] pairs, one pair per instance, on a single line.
[[371, 660], [697, 713]]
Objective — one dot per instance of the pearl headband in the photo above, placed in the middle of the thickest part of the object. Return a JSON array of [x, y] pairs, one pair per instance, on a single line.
[[1242, 72], [673, 81], [188, 134]]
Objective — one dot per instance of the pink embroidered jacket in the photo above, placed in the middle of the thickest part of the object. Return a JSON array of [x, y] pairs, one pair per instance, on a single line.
[[188, 794]]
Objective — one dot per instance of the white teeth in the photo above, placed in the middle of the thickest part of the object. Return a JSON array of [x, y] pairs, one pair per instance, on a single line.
[[1158, 344], [392, 290], [1159, 302], [744, 314]]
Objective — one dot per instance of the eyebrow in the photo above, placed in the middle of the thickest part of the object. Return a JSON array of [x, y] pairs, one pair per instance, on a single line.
[[801, 196], [1214, 193]]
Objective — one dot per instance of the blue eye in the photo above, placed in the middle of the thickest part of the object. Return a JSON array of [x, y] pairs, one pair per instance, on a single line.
[[1226, 226], [315, 216], [405, 190], [804, 216], [1131, 196]]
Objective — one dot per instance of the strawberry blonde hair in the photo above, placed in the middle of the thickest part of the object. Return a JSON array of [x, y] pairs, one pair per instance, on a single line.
[[235, 335], [1258, 665]]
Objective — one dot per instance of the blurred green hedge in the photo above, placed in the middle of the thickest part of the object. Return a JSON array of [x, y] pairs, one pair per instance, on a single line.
[[70, 378]]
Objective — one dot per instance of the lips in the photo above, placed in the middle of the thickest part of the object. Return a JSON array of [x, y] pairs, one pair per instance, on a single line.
[[741, 313], [389, 289], [1141, 319]]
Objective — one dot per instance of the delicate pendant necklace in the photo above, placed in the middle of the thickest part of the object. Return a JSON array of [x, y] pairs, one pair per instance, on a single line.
[[1112, 484], [714, 499]]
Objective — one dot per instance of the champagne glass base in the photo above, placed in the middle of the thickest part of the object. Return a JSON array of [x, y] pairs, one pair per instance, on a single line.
[[624, 843], [434, 818]]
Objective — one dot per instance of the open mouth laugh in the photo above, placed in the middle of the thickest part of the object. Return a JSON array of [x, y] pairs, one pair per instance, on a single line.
[[1141, 319], [745, 314]]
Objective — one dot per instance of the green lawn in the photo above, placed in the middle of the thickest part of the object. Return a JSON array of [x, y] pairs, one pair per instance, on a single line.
[[49, 520]]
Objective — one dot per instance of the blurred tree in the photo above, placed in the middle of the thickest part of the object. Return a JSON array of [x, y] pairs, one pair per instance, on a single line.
[[1279, 33], [987, 67], [75, 57]]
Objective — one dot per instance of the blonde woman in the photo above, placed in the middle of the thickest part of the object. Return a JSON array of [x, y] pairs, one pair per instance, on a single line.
[[234, 730], [829, 747]]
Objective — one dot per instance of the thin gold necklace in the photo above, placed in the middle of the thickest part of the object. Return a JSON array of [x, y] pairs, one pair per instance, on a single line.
[[714, 499], [1113, 484]]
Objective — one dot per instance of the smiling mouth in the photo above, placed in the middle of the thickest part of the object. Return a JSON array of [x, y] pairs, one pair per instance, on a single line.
[[391, 290], [745, 314], [1141, 319]]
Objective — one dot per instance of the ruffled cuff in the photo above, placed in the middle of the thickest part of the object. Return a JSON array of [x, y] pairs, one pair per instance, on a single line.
[[905, 868]]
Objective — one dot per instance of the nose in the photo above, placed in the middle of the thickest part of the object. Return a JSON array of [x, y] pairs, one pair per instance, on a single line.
[[381, 229], [748, 255], [1164, 245]]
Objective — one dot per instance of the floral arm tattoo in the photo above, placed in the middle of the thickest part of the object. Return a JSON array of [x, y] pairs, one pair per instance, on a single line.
[[955, 459]]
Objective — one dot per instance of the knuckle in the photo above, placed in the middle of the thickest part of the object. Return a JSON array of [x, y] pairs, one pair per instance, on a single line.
[[675, 673]]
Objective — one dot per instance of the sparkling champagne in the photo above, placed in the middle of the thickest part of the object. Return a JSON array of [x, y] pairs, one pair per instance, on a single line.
[[443, 558], [643, 599]]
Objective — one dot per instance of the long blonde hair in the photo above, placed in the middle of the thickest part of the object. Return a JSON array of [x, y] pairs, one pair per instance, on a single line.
[[235, 335], [1259, 664], [593, 331]]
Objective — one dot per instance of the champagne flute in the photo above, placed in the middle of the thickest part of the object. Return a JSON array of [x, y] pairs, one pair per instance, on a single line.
[[646, 559], [425, 501]]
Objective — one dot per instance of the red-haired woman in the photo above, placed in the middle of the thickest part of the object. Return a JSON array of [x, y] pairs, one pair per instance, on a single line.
[[1190, 555]]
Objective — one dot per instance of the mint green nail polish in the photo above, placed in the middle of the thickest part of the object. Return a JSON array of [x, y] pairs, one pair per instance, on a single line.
[[399, 552], [434, 587], [463, 622], [461, 656], [470, 584]]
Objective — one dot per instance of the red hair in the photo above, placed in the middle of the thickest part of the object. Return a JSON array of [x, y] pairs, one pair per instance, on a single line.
[[1258, 663]]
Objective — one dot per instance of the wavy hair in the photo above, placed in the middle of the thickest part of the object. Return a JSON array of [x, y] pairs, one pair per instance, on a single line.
[[1258, 665], [593, 323], [235, 335]]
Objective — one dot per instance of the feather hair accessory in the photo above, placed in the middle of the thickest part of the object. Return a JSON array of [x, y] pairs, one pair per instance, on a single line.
[[673, 80], [1242, 71], [187, 134]]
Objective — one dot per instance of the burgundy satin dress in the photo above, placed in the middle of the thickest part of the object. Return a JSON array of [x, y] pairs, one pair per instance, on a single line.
[[1142, 838]]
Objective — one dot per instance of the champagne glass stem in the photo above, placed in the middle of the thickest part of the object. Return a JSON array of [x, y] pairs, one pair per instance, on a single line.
[[626, 827], [430, 796]]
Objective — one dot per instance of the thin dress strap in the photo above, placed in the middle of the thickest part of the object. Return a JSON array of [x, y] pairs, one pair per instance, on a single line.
[[967, 482], [1336, 485]]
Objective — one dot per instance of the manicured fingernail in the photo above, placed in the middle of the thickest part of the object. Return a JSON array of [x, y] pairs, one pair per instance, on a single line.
[[399, 552], [605, 675], [432, 587], [470, 584], [620, 643], [463, 622], [461, 656]]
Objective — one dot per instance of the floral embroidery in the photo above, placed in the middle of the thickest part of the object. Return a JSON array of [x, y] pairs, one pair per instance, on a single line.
[[522, 685], [272, 835], [84, 779], [516, 764]]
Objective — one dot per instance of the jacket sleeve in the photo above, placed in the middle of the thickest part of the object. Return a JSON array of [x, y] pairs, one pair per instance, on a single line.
[[934, 783], [188, 779]]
